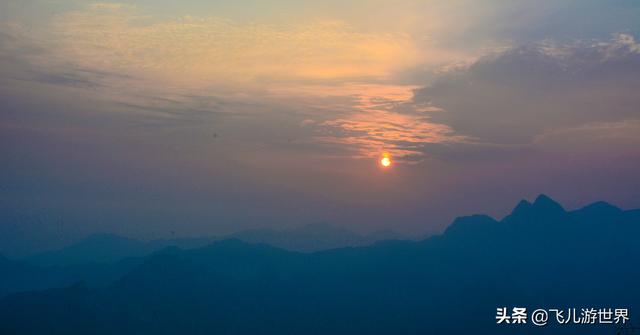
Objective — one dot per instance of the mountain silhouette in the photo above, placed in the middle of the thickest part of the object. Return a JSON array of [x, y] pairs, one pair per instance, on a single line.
[[109, 248], [96, 248], [311, 237], [539, 256], [18, 276], [100, 258]]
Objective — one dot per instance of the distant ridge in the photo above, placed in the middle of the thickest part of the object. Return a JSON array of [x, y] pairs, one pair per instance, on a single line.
[[110, 248]]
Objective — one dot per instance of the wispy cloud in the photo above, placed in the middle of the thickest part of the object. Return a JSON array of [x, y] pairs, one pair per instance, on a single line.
[[216, 50], [367, 120]]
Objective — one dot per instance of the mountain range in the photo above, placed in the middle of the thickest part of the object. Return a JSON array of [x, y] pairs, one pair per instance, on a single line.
[[539, 256], [98, 259], [108, 248]]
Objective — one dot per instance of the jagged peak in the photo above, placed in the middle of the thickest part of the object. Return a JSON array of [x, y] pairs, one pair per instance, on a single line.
[[542, 206], [521, 207], [546, 203]]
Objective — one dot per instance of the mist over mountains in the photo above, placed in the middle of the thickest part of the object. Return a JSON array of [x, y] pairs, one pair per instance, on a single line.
[[105, 248], [539, 256], [101, 258]]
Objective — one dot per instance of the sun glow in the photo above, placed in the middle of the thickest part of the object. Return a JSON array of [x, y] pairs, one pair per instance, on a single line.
[[385, 161]]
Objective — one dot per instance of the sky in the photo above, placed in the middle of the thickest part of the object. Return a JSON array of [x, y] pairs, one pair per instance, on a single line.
[[154, 118]]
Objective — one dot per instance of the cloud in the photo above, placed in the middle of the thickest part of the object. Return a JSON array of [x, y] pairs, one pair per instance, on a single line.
[[504, 105], [513, 96], [360, 120], [594, 137], [216, 50], [180, 69]]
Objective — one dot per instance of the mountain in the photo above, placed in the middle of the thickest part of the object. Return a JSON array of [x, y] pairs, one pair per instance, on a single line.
[[598, 212], [312, 237], [539, 256], [96, 248], [101, 258], [18, 276], [109, 248], [97, 260]]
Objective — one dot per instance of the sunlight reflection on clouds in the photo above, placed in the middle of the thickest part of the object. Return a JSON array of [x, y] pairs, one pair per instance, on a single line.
[[379, 118]]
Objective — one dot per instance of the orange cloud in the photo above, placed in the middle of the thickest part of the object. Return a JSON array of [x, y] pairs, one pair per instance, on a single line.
[[212, 50], [378, 118]]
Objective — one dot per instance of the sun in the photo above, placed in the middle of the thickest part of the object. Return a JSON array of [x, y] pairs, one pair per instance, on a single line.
[[385, 161]]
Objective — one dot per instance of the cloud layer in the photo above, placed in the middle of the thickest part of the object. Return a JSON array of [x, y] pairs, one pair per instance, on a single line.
[[217, 50], [513, 96]]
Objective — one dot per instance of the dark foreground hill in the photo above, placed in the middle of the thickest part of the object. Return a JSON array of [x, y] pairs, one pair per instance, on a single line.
[[540, 256]]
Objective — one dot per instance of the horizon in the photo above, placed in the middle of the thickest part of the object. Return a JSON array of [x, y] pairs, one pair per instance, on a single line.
[[322, 227]]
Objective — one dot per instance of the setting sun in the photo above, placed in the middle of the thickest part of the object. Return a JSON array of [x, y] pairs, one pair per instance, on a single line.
[[385, 161]]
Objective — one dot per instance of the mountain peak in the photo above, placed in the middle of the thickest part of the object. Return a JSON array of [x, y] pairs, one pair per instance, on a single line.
[[547, 204], [600, 207], [471, 225], [542, 207], [522, 207]]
